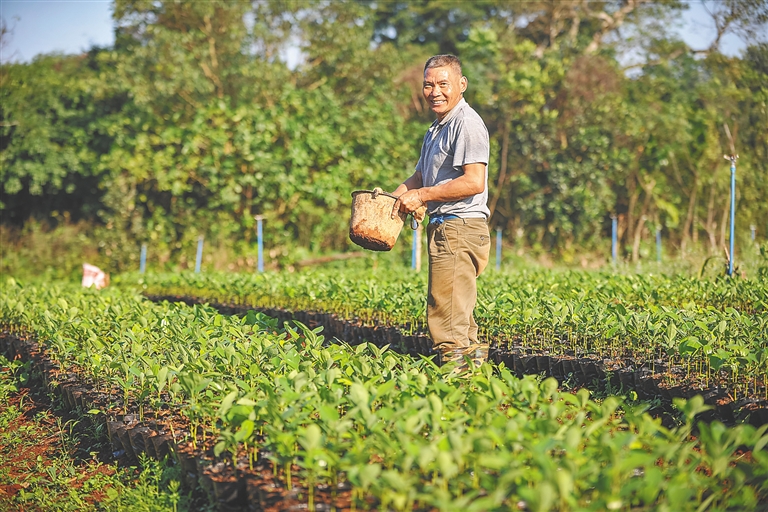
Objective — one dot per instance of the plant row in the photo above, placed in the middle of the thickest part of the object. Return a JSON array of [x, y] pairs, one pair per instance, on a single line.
[[249, 397], [700, 333]]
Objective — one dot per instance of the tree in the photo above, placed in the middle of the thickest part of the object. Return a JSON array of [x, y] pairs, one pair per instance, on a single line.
[[54, 114]]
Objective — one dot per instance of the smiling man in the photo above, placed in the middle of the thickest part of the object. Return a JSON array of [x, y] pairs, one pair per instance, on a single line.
[[451, 179]]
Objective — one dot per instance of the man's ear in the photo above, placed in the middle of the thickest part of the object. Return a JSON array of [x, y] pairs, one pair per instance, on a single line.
[[464, 83]]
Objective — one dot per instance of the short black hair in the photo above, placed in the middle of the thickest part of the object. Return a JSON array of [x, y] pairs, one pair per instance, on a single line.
[[443, 60]]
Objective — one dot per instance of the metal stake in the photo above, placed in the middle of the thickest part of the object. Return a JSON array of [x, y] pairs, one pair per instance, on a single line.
[[260, 242], [732, 255], [143, 259], [199, 258]]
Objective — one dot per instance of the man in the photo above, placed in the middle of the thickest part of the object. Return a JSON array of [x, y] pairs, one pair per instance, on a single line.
[[451, 180]]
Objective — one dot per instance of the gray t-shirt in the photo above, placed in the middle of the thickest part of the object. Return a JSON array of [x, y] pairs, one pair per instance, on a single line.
[[460, 138]]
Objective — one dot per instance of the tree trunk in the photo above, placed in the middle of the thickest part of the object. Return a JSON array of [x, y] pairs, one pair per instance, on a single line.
[[711, 224], [248, 207], [638, 234], [634, 189], [503, 167], [634, 195], [724, 223], [689, 218], [695, 234]]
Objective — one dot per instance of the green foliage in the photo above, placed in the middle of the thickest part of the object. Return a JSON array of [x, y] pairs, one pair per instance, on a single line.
[[193, 123], [54, 119], [714, 332], [403, 432]]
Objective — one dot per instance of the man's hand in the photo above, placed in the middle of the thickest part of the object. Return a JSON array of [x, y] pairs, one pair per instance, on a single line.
[[420, 214], [408, 202]]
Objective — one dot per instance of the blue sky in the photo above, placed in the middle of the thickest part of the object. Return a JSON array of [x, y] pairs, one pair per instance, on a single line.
[[73, 26], [55, 26]]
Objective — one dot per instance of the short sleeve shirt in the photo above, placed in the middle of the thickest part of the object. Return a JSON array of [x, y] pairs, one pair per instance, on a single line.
[[460, 138]]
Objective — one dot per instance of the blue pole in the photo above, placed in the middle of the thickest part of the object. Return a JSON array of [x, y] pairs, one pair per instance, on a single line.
[[752, 229], [658, 245], [199, 258], [414, 248], [498, 248], [733, 212], [614, 238], [143, 259], [260, 237]]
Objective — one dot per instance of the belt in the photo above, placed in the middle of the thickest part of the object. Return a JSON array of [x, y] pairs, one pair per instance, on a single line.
[[436, 220]]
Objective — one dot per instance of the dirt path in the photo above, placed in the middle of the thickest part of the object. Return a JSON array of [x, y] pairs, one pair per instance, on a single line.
[[53, 461], [47, 460]]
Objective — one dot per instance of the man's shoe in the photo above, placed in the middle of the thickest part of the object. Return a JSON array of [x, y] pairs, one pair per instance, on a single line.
[[475, 352], [478, 353]]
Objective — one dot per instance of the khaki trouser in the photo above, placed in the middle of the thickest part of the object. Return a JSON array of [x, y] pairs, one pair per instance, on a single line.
[[458, 253]]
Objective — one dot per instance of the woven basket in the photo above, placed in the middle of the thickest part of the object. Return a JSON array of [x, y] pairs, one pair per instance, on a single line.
[[372, 226]]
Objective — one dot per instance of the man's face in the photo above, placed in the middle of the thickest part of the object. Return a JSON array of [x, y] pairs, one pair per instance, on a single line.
[[443, 88]]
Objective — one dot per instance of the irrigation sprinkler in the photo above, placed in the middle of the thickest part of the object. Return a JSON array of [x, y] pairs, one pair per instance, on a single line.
[[143, 259], [199, 257], [260, 242], [614, 238], [498, 248]]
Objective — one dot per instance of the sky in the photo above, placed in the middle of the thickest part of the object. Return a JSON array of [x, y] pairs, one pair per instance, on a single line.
[[73, 26], [54, 26]]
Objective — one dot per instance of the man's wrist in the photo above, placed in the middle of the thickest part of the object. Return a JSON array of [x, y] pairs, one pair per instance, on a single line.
[[423, 195]]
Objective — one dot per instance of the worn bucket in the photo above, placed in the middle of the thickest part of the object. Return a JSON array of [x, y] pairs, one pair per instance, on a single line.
[[372, 226]]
